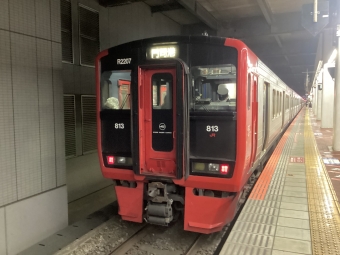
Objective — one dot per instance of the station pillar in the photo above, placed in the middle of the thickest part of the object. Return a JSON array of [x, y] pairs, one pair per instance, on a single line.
[[327, 99], [315, 100], [319, 102], [336, 124]]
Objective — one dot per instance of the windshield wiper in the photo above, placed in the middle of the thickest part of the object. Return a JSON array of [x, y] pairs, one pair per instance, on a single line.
[[124, 101]]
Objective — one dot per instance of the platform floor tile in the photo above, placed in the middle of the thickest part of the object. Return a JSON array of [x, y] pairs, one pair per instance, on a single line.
[[294, 206], [295, 200], [236, 248], [276, 252], [292, 245], [289, 193], [294, 214], [294, 233], [293, 223]]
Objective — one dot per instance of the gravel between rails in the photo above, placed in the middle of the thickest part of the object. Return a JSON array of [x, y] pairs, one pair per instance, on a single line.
[[117, 237], [160, 240], [104, 239]]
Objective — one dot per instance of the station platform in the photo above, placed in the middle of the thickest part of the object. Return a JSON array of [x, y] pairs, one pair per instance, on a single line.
[[293, 208]]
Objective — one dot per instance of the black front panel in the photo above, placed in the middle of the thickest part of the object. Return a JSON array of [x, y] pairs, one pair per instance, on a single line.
[[213, 137], [116, 132], [162, 126]]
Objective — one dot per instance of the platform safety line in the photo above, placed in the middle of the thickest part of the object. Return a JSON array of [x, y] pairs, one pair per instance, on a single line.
[[324, 214], [260, 190]]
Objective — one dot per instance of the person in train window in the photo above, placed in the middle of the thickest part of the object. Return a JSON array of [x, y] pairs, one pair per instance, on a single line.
[[166, 102], [223, 92]]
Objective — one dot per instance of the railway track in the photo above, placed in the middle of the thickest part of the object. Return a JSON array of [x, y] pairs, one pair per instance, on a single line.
[[173, 240], [153, 240], [118, 237]]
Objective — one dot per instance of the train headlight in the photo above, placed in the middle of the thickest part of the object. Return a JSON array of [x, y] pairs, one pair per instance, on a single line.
[[114, 161], [213, 167], [198, 167], [120, 160]]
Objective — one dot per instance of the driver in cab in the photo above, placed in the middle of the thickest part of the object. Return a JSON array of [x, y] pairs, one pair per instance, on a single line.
[[223, 94]]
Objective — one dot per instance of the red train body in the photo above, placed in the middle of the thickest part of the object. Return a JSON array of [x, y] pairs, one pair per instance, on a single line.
[[198, 116]]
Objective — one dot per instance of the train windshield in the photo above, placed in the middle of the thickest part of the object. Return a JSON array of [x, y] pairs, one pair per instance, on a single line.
[[213, 88], [115, 90]]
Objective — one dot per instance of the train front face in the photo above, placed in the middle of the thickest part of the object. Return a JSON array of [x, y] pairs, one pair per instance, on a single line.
[[167, 129]]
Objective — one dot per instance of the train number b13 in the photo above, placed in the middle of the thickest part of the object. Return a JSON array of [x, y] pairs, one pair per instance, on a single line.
[[212, 128], [119, 125]]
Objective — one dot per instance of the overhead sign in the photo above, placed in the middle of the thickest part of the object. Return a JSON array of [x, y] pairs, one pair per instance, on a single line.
[[308, 17], [162, 52]]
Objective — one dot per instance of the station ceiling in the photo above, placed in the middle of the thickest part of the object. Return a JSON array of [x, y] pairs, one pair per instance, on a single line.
[[271, 28]]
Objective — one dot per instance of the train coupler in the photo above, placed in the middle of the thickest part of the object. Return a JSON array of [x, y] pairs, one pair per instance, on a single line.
[[159, 208], [159, 213]]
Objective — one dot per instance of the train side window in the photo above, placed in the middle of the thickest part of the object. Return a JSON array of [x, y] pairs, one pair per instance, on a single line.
[[274, 103], [277, 103], [115, 90], [280, 103]]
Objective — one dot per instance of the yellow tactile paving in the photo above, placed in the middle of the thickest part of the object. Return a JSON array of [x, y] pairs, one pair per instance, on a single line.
[[323, 205]]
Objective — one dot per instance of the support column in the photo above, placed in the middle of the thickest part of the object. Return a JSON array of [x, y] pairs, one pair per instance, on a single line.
[[319, 102], [336, 124], [315, 97], [327, 99]]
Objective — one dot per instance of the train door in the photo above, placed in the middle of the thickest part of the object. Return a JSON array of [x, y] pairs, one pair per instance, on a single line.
[[254, 119], [290, 108], [283, 108], [266, 87], [157, 122]]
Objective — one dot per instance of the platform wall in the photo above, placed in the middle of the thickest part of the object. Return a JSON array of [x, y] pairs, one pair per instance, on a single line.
[[116, 25], [32, 161]]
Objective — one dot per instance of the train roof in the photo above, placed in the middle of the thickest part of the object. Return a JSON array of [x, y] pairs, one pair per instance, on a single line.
[[199, 39]]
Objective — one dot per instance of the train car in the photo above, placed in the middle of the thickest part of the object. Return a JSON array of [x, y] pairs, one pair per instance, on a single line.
[[184, 122]]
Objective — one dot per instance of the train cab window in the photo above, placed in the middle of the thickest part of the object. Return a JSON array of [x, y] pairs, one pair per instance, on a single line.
[[213, 88], [115, 90]]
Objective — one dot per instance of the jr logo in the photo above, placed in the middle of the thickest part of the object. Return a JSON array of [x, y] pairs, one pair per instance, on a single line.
[[123, 61]]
